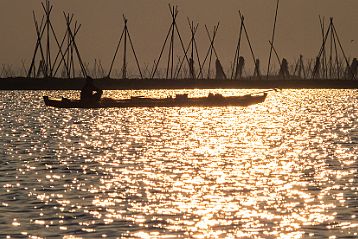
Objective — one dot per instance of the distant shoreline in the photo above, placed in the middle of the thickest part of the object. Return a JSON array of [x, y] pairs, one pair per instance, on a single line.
[[23, 83]]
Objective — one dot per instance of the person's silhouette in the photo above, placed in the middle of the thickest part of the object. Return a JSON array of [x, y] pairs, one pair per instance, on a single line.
[[240, 67], [284, 68], [90, 92]]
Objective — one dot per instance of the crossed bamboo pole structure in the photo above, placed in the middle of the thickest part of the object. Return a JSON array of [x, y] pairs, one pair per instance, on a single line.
[[47, 66], [332, 34], [235, 68], [44, 62], [125, 35], [170, 71], [211, 48]]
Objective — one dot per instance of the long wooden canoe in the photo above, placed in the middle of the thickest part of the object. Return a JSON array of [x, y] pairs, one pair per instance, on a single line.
[[212, 100]]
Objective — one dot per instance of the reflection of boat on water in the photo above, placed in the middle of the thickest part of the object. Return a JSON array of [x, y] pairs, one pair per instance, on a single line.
[[181, 100]]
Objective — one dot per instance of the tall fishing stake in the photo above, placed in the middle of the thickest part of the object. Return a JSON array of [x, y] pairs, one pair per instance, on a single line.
[[170, 71], [73, 45], [236, 69], [211, 48], [45, 32], [45, 61], [67, 57], [272, 40], [333, 40], [194, 53], [126, 35]]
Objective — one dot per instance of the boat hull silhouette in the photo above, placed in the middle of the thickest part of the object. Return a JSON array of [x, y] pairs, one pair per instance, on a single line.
[[178, 101]]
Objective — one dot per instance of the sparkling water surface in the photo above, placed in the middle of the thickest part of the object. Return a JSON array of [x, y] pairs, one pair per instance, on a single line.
[[285, 168]]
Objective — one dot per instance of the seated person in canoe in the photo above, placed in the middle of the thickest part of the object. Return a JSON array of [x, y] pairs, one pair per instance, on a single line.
[[90, 92]]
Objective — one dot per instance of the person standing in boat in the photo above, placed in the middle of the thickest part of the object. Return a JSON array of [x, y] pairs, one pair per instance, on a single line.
[[90, 92]]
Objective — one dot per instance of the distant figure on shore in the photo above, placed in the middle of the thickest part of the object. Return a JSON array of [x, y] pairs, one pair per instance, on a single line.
[[317, 68], [90, 92], [353, 69], [240, 68], [257, 71], [220, 74], [284, 69]]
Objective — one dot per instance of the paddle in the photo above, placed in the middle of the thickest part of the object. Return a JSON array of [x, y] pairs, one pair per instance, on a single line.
[[262, 92]]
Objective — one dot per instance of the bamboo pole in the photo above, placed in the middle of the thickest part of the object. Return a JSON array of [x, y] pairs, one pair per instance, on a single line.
[[249, 42], [124, 69], [324, 58], [134, 53], [237, 52], [344, 54], [115, 53], [272, 40], [75, 47], [211, 48], [67, 53], [39, 34], [161, 52], [276, 54]]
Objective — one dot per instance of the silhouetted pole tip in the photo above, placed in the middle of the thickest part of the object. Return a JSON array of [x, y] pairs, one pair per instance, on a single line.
[[125, 19]]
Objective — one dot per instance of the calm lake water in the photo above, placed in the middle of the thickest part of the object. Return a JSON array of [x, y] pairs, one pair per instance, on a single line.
[[286, 168]]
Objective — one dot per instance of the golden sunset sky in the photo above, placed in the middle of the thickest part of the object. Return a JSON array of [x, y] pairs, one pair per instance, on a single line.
[[298, 29]]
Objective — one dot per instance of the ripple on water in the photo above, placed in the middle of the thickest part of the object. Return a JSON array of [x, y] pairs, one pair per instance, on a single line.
[[285, 168]]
